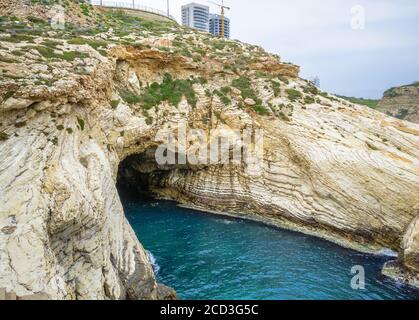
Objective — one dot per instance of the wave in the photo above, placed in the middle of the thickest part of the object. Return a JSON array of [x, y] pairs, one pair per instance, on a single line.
[[388, 253], [154, 264]]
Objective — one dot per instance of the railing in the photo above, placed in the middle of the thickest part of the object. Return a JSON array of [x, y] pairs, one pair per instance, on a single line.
[[130, 5]]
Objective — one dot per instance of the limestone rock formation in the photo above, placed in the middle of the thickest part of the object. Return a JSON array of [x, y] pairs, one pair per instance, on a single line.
[[401, 102], [80, 107]]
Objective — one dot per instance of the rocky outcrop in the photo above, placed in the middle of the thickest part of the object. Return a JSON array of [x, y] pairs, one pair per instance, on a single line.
[[74, 11], [11, 296], [75, 111], [401, 102]]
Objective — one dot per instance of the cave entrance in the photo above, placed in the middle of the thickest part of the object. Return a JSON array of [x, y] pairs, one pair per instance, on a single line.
[[137, 173], [140, 175]]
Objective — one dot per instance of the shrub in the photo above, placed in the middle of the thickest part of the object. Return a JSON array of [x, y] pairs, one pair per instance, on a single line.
[[245, 86], [8, 95], [20, 124], [284, 117], [49, 53], [95, 44], [223, 97], [311, 89], [3, 136], [308, 100], [71, 55], [372, 103], [85, 9], [276, 87], [260, 109], [372, 147], [18, 38], [81, 123], [218, 45], [129, 96], [50, 43], [293, 94], [115, 104], [225, 90], [169, 90], [283, 79], [149, 121], [54, 141]]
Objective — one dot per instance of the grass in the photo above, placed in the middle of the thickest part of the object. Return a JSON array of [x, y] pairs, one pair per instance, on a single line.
[[18, 38], [372, 103], [51, 43], [85, 9], [169, 90], [125, 22], [49, 53], [218, 45], [293, 95], [95, 44]]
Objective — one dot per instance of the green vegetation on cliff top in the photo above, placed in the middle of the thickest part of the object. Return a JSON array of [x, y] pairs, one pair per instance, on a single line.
[[372, 103], [169, 90]]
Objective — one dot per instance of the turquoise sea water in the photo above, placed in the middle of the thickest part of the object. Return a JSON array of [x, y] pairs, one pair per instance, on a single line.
[[209, 257]]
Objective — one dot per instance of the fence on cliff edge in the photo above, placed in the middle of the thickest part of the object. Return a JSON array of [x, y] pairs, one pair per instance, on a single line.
[[130, 5]]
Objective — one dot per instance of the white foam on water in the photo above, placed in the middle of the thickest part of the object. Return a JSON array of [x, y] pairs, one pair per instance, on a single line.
[[154, 263], [388, 253]]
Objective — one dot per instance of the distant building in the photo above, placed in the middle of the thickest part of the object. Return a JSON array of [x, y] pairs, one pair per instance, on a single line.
[[196, 16], [215, 26]]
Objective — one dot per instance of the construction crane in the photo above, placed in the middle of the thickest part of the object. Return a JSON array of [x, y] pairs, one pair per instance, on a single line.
[[223, 8]]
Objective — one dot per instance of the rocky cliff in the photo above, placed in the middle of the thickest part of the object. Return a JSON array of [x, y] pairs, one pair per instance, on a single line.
[[80, 108], [401, 102]]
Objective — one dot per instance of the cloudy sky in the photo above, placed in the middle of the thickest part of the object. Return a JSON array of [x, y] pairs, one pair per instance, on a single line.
[[319, 36]]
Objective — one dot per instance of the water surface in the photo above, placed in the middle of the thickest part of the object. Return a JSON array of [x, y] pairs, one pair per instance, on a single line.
[[204, 256]]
